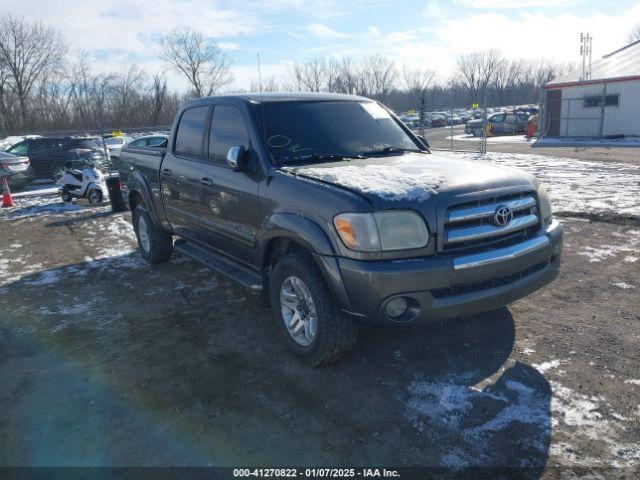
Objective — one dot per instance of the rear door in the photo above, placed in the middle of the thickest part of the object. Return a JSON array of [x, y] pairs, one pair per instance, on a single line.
[[229, 199], [181, 171]]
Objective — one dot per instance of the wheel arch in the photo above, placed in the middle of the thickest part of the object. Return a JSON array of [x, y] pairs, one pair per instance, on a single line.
[[285, 232]]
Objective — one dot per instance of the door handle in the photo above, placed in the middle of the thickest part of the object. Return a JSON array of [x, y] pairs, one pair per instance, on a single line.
[[167, 171], [206, 181]]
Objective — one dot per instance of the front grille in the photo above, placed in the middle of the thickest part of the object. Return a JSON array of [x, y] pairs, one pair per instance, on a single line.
[[465, 288], [469, 226]]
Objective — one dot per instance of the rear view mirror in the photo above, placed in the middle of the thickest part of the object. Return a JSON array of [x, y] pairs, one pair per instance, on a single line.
[[237, 158]]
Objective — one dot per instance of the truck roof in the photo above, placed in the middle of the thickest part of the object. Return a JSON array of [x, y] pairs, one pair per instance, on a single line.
[[269, 97]]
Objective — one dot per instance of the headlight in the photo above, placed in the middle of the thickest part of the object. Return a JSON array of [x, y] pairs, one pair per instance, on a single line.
[[388, 230], [546, 211]]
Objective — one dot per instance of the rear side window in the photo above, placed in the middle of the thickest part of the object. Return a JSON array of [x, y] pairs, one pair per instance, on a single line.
[[498, 118], [511, 118], [227, 130], [138, 143], [190, 134]]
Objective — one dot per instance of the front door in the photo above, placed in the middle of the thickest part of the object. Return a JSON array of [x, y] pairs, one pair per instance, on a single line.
[[229, 199], [181, 171]]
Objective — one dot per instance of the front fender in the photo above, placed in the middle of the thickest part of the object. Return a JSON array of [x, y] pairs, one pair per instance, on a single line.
[[310, 235], [297, 228]]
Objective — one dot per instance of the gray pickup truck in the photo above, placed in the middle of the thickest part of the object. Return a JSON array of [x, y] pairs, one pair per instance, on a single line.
[[333, 209]]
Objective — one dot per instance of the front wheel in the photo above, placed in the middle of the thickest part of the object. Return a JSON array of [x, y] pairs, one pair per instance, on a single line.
[[305, 313], [155, 244]]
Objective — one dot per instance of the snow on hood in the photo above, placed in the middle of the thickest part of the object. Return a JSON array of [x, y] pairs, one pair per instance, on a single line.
[[389, 182]]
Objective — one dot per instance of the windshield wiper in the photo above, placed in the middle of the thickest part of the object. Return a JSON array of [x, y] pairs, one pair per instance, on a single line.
[[390, 150]]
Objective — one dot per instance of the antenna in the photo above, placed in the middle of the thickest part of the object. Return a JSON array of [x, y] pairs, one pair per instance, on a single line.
[[586, 48], [259, 73]]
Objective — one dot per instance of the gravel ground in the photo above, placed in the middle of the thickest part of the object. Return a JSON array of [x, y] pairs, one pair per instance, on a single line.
[[105, 360]]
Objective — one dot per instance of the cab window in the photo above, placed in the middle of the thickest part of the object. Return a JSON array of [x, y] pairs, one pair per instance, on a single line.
[[190, 134], [227, 130]]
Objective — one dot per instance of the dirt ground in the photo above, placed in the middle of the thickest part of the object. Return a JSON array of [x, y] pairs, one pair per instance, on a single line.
[[105, 360]]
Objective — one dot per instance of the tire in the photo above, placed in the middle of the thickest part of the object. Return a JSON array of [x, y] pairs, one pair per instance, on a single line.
[[156, 245], [334, 334], [94, 196], [66, 197]]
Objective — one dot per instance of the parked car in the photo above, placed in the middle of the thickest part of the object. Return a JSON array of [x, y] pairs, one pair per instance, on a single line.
[[10, 141], [499, 124], [50, 156], [155, 141], [14, 169], [438, 122], [115, 144], [333, 209]]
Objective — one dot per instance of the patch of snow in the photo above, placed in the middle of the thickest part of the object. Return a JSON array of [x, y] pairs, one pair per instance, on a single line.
[[390, 182], [528, 351], [546, 366], [630, 259], [623, 285], [626, 142], [633, 381]]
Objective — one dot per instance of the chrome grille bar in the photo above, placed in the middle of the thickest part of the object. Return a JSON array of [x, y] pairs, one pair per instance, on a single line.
[[482, 211], [487, 230]]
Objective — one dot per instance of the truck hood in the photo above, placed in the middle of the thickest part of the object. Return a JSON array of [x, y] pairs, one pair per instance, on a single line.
[[402, 181]]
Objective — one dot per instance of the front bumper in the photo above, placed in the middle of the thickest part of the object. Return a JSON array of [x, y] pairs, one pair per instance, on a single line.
[[443, 287]]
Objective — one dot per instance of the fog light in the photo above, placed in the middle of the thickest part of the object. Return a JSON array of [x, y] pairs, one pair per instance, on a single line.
[[397, 307]]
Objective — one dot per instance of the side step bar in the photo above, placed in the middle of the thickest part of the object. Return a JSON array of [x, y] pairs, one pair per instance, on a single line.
[[219, 264]]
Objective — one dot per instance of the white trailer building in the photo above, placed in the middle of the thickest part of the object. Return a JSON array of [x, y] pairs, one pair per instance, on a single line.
[[606, 104]]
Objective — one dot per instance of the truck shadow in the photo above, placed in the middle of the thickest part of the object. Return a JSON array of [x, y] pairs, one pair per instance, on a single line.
[[185, 367]]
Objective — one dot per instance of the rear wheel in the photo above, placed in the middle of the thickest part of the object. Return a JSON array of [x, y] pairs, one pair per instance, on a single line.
[[155, 244], [94, 196], [305, 313]]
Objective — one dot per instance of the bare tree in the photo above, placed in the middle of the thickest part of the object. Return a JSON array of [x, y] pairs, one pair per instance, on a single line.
[[27, 52], [158, 95], [309, 76], [415, 82], [476, 71], [634, 34], [378, 75], [204, 65]]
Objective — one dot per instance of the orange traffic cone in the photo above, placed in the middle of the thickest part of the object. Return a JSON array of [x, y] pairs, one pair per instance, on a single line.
[[7, 201]]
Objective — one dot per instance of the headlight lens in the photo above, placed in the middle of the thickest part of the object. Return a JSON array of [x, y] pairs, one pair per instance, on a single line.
[[546, 211], [389, 230]]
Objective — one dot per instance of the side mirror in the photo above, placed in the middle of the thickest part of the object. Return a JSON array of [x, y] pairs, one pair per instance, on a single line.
[[237, 158], [423, 140]]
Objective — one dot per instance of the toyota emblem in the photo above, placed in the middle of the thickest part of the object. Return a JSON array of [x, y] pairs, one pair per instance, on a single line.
[[502, 216]]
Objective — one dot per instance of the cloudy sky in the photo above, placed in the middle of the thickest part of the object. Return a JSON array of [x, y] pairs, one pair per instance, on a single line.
[[418, 33]]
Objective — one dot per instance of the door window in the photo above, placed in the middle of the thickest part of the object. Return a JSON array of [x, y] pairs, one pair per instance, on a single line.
[[227, 130], [190, 135], [511, 118], [157, 142], [497, 118], [142, 142]]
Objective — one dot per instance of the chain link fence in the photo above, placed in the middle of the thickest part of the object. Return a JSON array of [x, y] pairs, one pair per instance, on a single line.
[[49, 155]]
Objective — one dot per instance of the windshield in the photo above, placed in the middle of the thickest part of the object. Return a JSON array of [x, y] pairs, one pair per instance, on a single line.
[[302, 130]]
